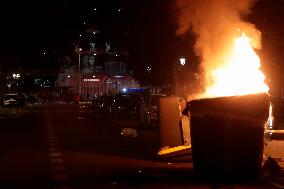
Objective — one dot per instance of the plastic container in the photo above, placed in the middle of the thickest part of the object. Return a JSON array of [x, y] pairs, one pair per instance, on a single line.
[[227, 136]]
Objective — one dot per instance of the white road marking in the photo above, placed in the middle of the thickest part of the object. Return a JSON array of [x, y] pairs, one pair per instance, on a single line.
[[59, 176], [57, 168], [52, 150], [51, 140], [55, 154], [51, 145], [62, 187], [56, 160]]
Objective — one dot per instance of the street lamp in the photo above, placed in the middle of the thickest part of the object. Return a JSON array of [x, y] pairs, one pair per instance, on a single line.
[[182, 61], [149, 69], [178, 75], [79, 60], [9, 86], [79, 50]]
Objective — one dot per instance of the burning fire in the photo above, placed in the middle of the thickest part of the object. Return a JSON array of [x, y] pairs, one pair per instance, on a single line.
[[241, 73]]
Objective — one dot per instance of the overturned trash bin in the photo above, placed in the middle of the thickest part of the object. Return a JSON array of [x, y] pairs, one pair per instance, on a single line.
[[227, 136]]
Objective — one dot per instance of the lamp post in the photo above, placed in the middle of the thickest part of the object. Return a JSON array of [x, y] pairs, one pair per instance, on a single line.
[[149, 69], [9, 86], [182, 61], [178, 75], [79, 70], [79, 59]]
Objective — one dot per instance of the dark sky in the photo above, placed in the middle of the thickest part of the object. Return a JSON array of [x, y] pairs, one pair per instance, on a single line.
[[49, 22], [268, 17], [31, 27]]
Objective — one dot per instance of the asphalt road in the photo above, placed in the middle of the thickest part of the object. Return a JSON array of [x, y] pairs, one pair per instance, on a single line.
[[57, 146]]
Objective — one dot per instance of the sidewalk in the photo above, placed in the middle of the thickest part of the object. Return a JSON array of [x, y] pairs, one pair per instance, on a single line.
[[275, 149]]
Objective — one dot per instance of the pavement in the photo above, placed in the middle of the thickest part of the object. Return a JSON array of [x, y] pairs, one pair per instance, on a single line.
[[274, 148]]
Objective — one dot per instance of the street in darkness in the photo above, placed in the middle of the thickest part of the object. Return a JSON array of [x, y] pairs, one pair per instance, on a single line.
[[55, 146], [41, 142]]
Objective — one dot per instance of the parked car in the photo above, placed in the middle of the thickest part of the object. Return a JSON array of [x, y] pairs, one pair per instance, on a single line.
[[31, 100], [13, 99], [126, 104], [149, 110], [103, 103]]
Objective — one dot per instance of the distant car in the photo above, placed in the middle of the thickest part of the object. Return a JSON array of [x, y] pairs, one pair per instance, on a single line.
[[126, 104], [31, 100], [149, 110], [13, 99]]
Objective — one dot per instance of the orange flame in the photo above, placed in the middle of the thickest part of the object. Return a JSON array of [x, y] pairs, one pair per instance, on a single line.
[[240, 75]]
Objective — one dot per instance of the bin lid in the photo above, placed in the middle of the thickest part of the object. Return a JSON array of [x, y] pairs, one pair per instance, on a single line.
[[255, 106]]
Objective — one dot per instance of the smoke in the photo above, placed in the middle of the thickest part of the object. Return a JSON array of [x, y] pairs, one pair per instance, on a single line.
[[215, 23]]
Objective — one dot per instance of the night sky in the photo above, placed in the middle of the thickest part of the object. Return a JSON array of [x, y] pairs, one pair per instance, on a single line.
[[31, 28]]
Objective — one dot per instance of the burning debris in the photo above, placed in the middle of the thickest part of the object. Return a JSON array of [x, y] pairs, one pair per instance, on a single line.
[[227, 131], [240, 74], [225, 46]]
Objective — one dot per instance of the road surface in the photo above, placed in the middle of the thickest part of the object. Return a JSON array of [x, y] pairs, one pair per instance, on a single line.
[[57, 146]]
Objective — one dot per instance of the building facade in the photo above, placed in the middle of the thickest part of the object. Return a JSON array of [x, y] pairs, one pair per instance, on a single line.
[[96, 71]]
